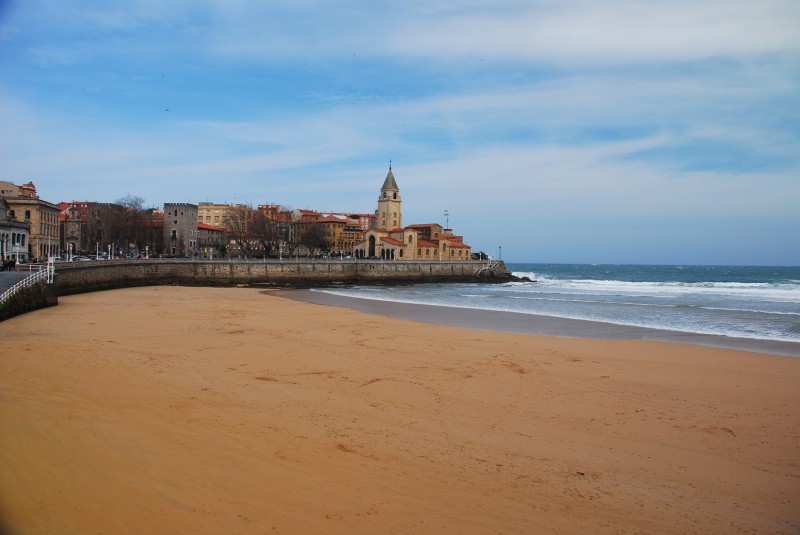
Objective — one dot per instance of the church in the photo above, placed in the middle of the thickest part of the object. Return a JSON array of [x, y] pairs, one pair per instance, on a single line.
[[390, 240]]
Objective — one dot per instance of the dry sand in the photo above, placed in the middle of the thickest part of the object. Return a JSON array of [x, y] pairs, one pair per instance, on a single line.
[[206, 410]]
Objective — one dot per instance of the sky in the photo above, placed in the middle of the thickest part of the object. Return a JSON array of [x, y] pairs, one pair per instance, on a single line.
[[579, 131]]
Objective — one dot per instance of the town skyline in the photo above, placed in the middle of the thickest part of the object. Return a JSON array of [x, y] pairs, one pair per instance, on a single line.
[[630, 132]]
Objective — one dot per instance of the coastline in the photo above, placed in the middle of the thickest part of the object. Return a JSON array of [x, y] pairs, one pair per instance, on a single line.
[[518, 323], [236, 410]]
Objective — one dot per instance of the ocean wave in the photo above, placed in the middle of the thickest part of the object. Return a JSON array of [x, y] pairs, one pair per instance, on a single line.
[[762, 331], [784, 291], [646, 305]]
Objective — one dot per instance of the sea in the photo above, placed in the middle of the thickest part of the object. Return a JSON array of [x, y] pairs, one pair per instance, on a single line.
[[747, 302]]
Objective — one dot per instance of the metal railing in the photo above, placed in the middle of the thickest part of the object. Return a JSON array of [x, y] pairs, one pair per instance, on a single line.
[[47, 273], [490, 265]]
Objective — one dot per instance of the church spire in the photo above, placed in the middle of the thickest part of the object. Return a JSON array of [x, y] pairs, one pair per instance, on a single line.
[[389, 183]]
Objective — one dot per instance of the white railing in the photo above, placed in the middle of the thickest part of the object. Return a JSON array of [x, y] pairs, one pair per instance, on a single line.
[[47, 273], [489, 266]]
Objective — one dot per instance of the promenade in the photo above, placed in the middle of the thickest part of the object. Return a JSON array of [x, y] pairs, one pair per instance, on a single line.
[[10, 278]]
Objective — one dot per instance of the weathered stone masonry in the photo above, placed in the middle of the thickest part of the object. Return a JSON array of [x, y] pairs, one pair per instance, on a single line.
[[92, 276]]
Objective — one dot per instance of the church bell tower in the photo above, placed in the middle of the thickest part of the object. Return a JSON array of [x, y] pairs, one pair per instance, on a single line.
[[390, 206]]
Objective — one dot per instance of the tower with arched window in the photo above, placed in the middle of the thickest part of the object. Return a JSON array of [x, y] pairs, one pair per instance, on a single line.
[[390, 205]]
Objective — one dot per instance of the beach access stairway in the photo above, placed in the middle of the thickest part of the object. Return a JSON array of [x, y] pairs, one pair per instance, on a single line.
[[12, 282], [489, 269], [29, 288]]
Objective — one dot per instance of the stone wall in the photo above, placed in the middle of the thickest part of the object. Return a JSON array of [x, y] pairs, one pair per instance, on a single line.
[[79, 277], [39, 295]]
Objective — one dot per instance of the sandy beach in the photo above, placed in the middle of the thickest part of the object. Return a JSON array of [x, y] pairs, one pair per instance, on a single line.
[[219, 410]]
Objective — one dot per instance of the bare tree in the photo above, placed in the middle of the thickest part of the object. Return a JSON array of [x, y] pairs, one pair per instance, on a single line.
[[266, 230], [131, 223], [102, 223], [314, 237], [241, 229]]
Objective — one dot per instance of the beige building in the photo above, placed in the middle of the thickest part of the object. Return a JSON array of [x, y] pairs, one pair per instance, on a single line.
[[42, 216], [391, 241], [213, 214], [390, 205]]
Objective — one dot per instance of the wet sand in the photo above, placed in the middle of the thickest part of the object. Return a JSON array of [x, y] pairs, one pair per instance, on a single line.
[[209, 410], [513, 322]]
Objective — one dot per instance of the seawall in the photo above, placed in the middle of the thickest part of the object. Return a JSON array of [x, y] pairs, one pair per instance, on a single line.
[[39, 295], [80, 277]]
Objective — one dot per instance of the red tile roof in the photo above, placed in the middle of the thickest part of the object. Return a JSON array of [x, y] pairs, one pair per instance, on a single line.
[[206, 226]]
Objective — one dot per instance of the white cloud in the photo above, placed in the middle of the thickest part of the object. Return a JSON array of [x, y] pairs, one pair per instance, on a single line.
[[582, 31], [607, 32], [583, 115]]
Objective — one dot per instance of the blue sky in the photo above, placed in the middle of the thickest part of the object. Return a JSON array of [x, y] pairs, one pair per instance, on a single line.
[[563, 131]]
